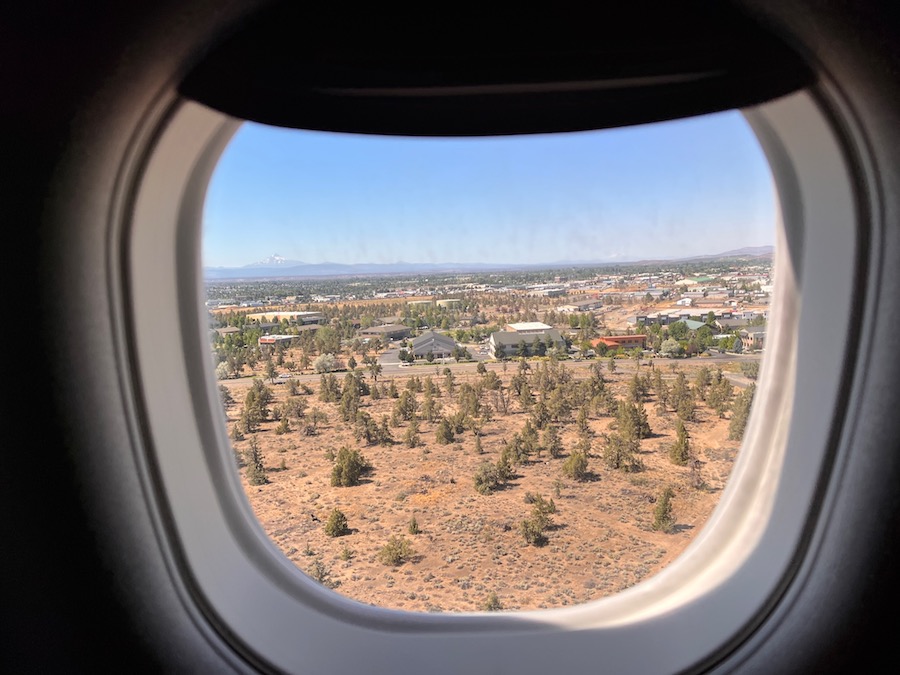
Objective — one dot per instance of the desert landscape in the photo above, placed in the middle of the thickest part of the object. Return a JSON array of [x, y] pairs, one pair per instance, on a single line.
[[420, 535]]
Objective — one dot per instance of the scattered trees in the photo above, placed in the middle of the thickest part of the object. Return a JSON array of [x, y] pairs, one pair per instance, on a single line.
[[750, 369], [740, 412]]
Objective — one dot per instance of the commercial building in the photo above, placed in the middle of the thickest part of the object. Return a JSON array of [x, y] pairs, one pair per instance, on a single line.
[[626, 342], [508, 342], [438, 345]]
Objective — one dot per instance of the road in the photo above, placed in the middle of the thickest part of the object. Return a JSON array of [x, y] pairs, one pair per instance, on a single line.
[[390, 366]]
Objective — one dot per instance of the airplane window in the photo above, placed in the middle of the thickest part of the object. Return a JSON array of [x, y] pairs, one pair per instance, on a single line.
[[482, 374]]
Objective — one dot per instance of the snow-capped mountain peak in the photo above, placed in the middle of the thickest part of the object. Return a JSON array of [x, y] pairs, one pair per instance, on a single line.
[[275, 260]]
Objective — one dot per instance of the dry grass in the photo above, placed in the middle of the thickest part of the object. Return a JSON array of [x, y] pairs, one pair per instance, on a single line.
[[470, 544]]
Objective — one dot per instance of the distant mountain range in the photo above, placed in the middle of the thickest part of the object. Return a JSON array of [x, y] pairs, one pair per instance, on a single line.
[[276, 266], [746, 252], [275, 260]]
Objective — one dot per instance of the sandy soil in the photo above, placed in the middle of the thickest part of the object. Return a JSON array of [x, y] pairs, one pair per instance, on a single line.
[[470, 545]]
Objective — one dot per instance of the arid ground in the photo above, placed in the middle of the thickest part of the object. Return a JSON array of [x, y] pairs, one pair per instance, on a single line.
[[469, 545]]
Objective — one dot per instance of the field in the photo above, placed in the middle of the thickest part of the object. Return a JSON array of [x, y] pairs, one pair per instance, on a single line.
[[469, 546]]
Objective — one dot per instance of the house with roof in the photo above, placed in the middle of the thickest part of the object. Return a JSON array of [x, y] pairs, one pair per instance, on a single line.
[[731, 324], [508, 342], [391, 331], [276, 340], [626, 342], [753, 338], [528, 327], [300, 318], [440, 346], [587, 305], [690, 323]]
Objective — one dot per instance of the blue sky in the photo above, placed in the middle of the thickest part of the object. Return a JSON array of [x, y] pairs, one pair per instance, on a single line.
[[674, 189]]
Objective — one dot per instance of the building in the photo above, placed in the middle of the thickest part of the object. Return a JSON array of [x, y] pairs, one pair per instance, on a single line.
[[753, 337], [276, 339], [508, 342], [731, 324], [690, 323], [391, 331], [581, 305], [546, 292], [528, 327], [440, 346], [300, 318], [626, 342]]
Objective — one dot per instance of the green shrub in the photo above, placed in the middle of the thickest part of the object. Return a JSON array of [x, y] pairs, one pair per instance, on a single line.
[[322, 573], [680, 452], [444, 433], [487, 478], [663, 520], [256, 472], [396, 551], [492, 604], [349, 465], [533, 532], [283, 427], [576, 466], [336, 525]]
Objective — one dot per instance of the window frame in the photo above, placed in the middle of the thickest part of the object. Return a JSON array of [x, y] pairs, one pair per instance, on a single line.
[[693, 612]]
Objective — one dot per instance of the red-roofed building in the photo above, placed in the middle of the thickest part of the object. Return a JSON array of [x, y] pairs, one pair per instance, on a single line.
[[624, 341]]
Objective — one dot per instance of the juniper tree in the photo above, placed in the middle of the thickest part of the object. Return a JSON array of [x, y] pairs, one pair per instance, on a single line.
[[396, 551], [348, 466], [487, 478], [322, 573], [336, 525], [680, 452], [740, 410], [576, 465], [663, 518], [411, 437], [552, 441], [492, 603], [283, 426], [621, 453], [444, 433], [256, 471]]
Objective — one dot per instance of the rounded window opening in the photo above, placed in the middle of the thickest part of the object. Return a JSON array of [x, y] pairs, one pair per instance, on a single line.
[[481, 374]]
